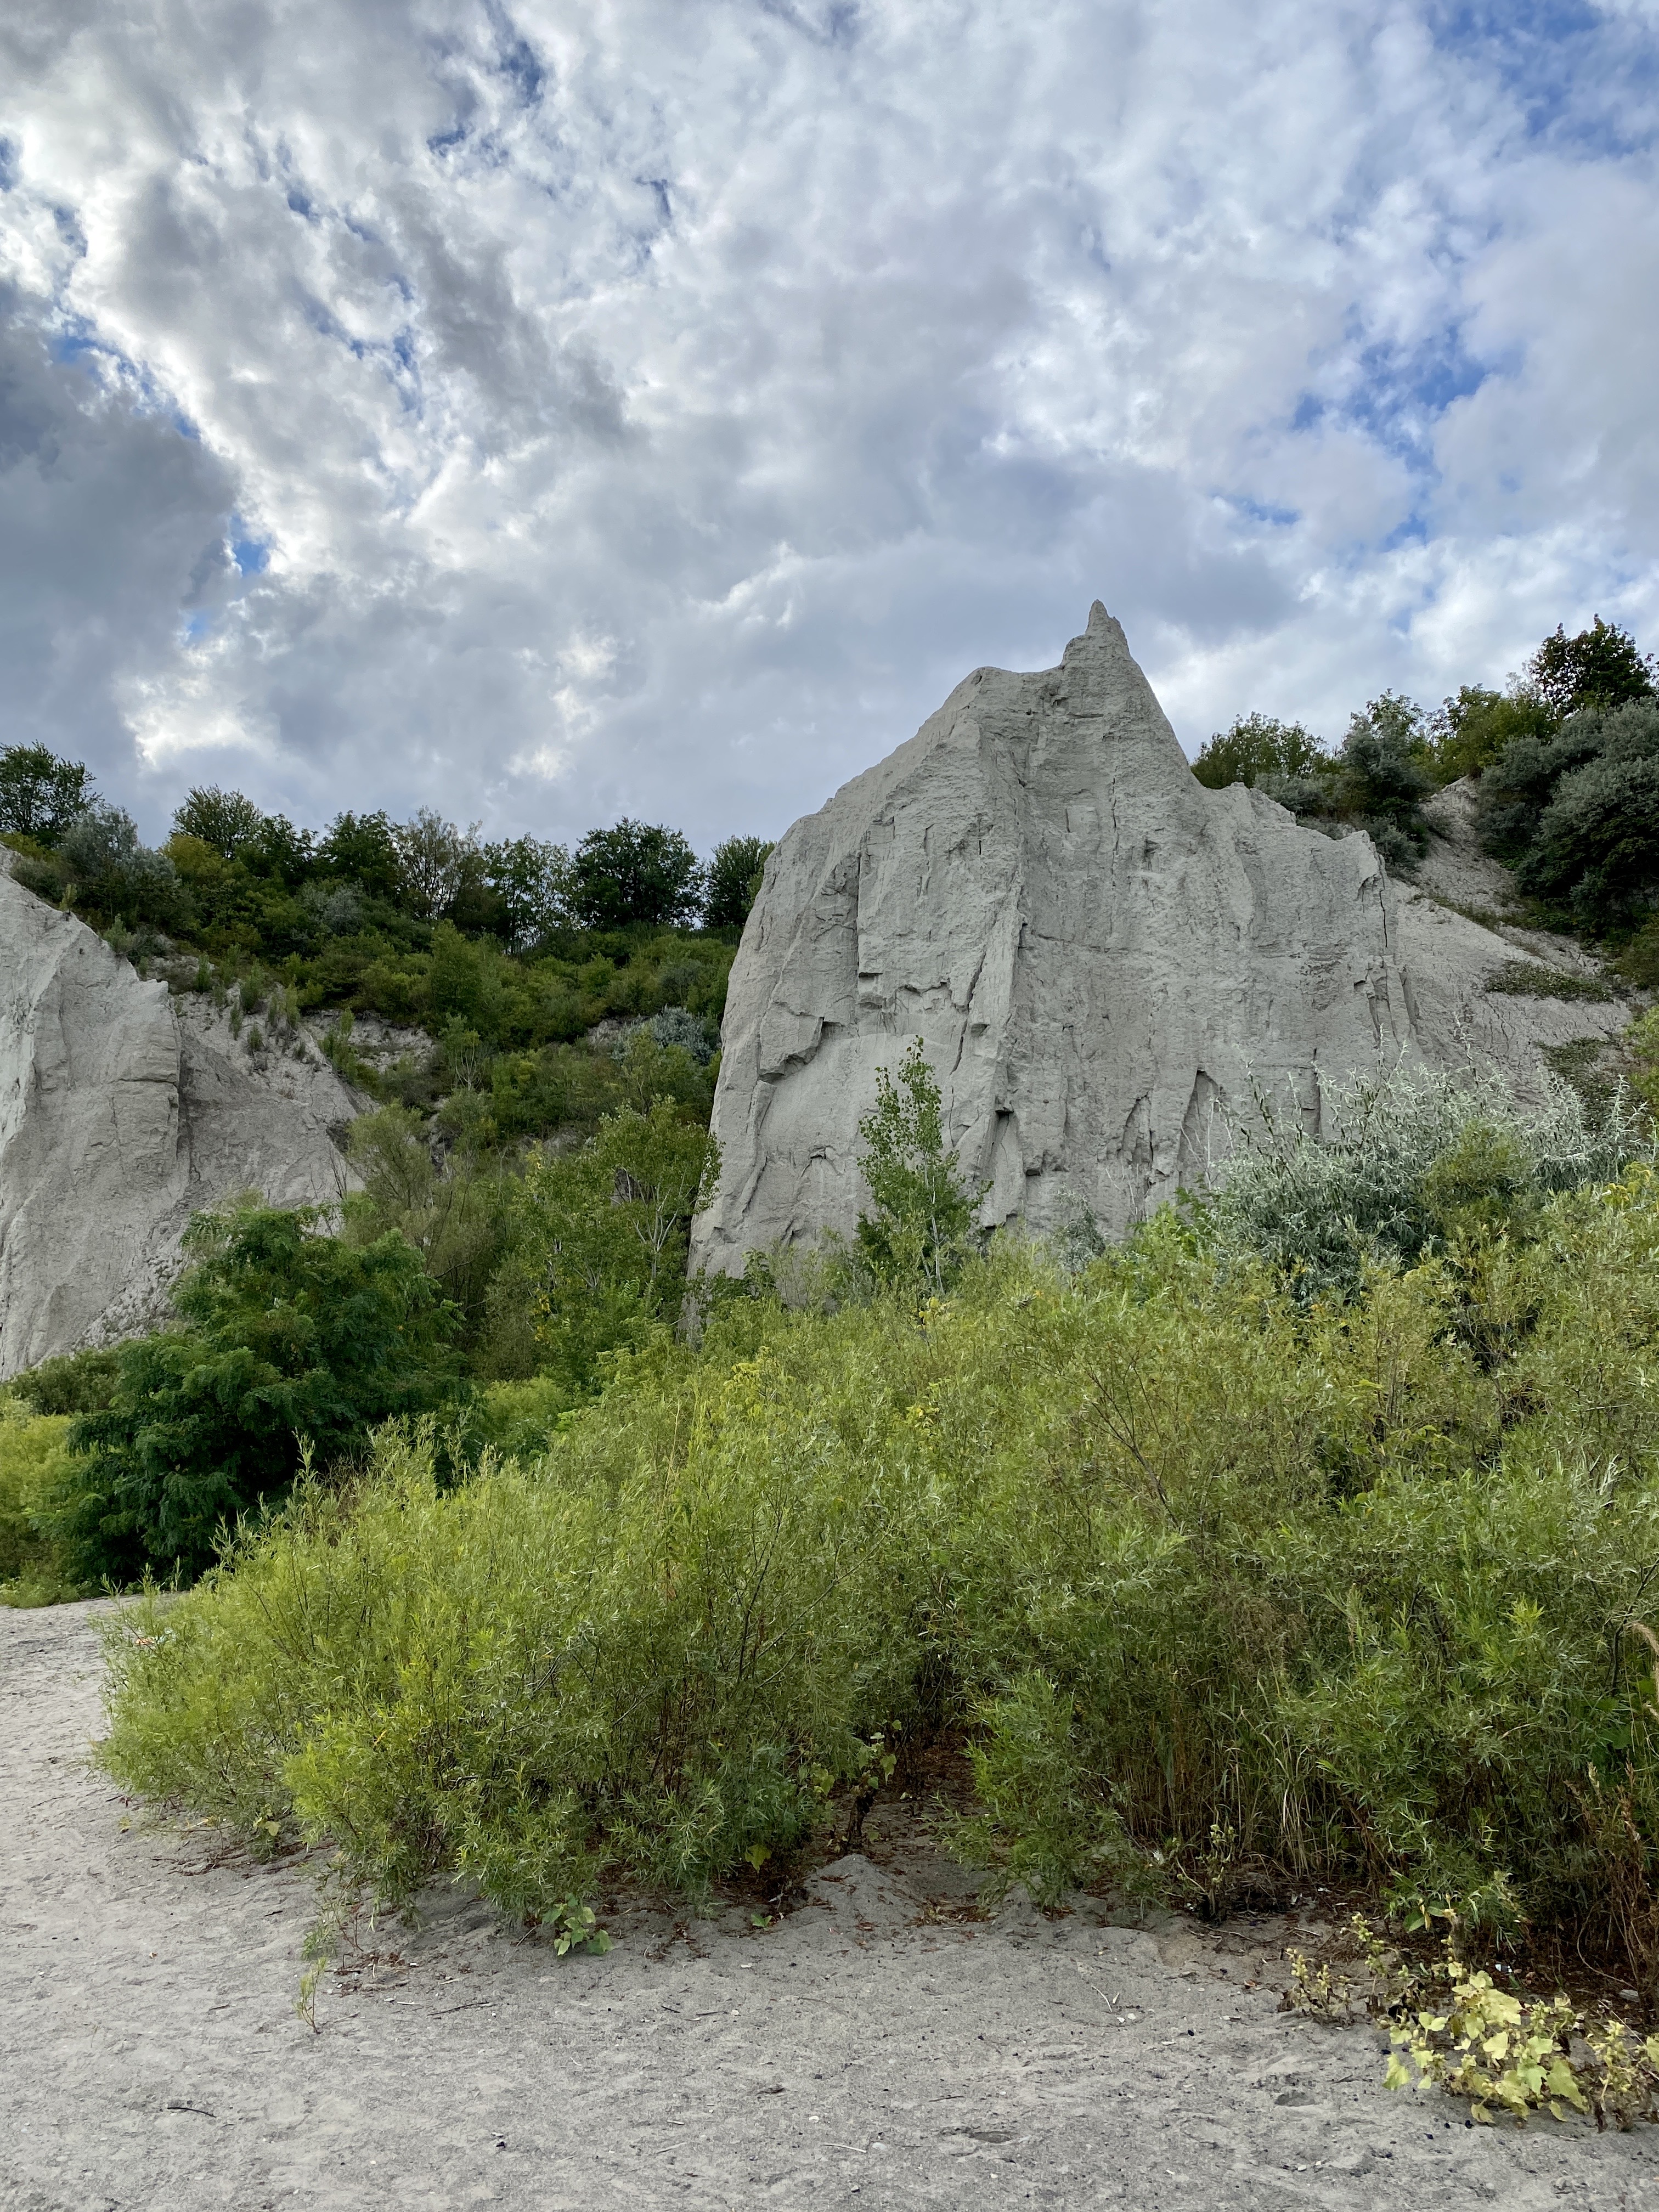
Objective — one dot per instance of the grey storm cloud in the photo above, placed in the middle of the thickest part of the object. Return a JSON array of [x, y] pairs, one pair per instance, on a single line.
[[544, 411]]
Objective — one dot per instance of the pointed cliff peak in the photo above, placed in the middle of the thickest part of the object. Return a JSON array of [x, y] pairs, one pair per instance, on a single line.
[[1101, 646], [1102, 679]]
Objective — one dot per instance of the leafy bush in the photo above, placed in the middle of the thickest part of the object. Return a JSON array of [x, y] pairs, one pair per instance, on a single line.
[[1381, 780], [1404, 1163], [605, 1235], [461, 1222], [101, 851], [74, 1382], [1286, 1593], [291, 1341], [1569, 791], [1576, 813], [1597, 844], [1516, 789], [1476, 2040], [1472, 730], [676, 1026], [33, 1465], [674, 1029], [515, 1745], [1376, 781]]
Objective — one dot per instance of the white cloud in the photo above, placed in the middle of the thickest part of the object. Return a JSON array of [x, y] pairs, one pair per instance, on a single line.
[[624, 405]]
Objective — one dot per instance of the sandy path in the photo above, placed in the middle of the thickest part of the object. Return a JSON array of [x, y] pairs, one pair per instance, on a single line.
[[856, 2055]]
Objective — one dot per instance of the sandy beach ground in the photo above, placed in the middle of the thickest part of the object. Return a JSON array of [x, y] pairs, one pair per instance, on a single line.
[[873, 2048]]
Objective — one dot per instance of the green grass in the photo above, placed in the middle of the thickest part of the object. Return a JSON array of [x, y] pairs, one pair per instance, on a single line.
[[1525, 979]]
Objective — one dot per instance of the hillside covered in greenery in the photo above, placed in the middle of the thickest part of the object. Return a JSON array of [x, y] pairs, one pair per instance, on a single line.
[[1309, 1536], [500, 953]]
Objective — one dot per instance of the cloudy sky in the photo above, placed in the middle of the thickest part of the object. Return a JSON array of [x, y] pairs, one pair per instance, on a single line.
[[546, 410]]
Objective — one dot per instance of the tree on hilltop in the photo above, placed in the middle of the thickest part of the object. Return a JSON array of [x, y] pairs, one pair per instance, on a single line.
[[39, 794], [635, 872]]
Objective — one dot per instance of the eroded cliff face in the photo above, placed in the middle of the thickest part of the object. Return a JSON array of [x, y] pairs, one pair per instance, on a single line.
[[115, 1125], [1095, 949]]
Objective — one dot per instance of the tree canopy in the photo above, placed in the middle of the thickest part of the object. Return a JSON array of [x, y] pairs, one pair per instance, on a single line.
[[635, 871], [734, 880], [1257, 746], [39, 794], [1599, 667]]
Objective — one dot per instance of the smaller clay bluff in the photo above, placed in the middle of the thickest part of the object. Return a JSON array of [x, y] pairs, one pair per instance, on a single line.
[[1096, 950], [118, 1121]]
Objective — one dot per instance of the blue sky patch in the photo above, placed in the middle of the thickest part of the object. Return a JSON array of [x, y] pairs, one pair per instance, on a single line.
[[1577, 73], [252, 555]]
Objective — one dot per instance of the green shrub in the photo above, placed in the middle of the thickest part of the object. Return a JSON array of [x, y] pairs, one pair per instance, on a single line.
[[1527, 978], [628, 1667], [1376, 781], [519, 1419], [1477, 727], [1382, 776], [463, 1223], [603, 1256], [291, 1342], [33, 1465], [1597, 844], [1403, 1163], [1639, 958], [74, 1382]]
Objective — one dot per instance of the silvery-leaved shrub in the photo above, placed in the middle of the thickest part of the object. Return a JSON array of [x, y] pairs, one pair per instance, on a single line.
[[1403, 1161], [676, 1025]]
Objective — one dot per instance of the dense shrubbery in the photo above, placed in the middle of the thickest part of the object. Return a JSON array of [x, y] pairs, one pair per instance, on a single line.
[[1594, 844], [1408, 1163], [291, 1342], [1256, 749], [1232, 1588]]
